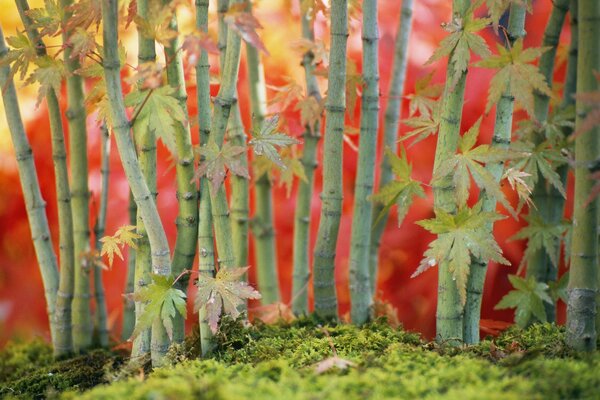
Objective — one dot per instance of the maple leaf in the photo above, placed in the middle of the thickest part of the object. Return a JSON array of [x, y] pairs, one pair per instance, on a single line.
[[274, 313], [331, 363], [311, 110], [242, 22], [425, 97], [22, 53], [558, 289], [82, 43], [399, 192], [287, 94], [560, 122], [317, 50], [461, 41], [517, 182], [461, 237], [148, 75], [266, 140], [126, 235], [159, 111], [223, 294], [47, 19], [384, 309], [541, 236], [197, 42], [110, 247], [293, 167], [469, 163], [84, 13], [516, 75], [215, 161], [497, 8], [542, 159], [131, 13], [162, 303], [528, 298], [157, 24], [49, 74], [311, 8], [423, 125]]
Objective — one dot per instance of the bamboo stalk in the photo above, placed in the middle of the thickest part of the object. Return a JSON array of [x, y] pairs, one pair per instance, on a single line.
[[390, 129], [63, 344], [34, 203], [500, 140], [302, 215], [539, 264], [449, 316], [76, 117], [360, 283], [160, 254], [187, 190], [331, 196], [206, 263], [100, 317], [262, 221], [146, 147], [583, 277], [128, 303]]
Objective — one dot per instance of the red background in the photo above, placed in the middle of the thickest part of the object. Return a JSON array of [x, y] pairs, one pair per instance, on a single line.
[[22, 308]]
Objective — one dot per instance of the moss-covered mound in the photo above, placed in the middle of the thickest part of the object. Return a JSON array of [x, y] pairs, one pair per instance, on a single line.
[[280, 362]]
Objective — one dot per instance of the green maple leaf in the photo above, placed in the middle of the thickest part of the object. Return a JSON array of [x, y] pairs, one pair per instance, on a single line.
[[223, 294], [461, 41], [215, 161], [460, 238], [425, 97], [293, 167], [82, 43], [158, 111], [47, 19], [497, 8], [516, 75], [542, 159], [560, 121], [423, 125], [528, 298], [469, 163], [266, 140], [541, 235], [49, 74], [399, 192], [21, 54], [558, 289], [162, 303]]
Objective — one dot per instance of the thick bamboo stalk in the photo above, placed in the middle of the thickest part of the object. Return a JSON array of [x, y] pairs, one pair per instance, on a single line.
[[76, 116], [187, 190], [34, 203], [539, 264], [331, 196], [263, 219], [500, 140], [63, 344], [449, 316], [146, 148], [100, 317], [302, 215], [206, 252], [128, 303], [360, 283], [160, 254], [390, 128], [583, 277]]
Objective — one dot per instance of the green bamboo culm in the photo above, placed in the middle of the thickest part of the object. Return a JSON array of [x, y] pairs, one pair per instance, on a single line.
[[187, 190], [63, 344], [331, 196], [146, 146], [449, 316], [302, 214], [101, 314], [546, 198], [360, 283], [34, 203], [160, 254], [263, 219], [390, 129], [500, 140], [206, 252], [76, 117], [583, 277], [128, 303], [223, 104]]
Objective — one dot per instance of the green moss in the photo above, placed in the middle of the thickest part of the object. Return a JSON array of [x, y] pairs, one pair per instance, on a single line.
[[277, 361]]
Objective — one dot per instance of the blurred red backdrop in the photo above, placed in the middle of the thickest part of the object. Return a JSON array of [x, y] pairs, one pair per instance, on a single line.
[[22, 308]]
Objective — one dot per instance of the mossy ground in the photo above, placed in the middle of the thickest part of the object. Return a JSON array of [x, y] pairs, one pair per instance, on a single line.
[[278, 362]]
